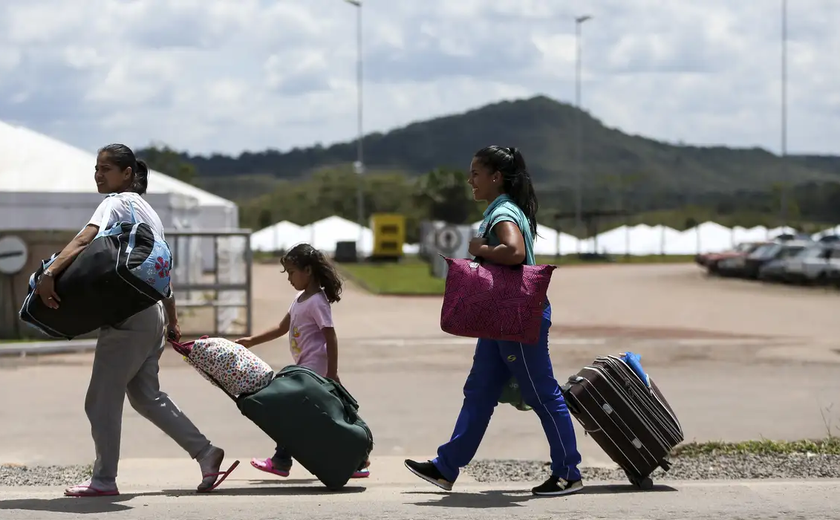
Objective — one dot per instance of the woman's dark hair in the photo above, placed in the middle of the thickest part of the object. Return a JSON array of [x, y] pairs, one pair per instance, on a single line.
[[516, 181], [123, 157], [302, 256]]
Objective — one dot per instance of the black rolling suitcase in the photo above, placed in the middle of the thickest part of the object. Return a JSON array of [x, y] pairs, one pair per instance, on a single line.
[[626, 415]]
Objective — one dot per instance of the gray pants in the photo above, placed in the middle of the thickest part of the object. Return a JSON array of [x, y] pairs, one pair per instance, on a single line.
[[126, 363]]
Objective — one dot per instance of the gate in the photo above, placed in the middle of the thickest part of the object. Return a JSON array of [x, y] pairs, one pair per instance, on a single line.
[[211, 302]]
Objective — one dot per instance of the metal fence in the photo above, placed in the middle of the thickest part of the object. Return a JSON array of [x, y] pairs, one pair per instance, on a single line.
[[225, 290]]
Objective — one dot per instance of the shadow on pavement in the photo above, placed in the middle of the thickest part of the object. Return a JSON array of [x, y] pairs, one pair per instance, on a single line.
[[79, 506], [100, 505], [610, 489], [485, 499], [516, 497], [285, 481], [272, 490]]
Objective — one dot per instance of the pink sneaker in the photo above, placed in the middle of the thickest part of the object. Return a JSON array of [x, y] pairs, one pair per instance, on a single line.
[[267, 466]]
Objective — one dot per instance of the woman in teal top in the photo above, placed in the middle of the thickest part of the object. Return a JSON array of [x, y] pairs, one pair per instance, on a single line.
[[498, 176]]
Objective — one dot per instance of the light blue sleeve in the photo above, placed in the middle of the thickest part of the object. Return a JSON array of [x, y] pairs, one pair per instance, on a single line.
[[504, 213], [510, 212]]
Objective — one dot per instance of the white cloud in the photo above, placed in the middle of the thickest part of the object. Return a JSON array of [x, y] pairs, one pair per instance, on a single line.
[[233, 75]]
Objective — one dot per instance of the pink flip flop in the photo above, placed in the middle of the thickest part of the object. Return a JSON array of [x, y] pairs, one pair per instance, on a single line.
[[223, 474], [362, 473], [267, 466], [86, 490]]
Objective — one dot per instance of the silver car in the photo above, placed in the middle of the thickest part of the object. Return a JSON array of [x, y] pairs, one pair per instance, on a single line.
[[813, 265]]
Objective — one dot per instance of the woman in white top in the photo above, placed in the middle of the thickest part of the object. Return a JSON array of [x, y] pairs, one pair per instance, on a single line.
[[127, 354]]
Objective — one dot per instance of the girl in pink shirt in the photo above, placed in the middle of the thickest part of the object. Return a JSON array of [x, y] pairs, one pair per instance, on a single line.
[[312, 337]]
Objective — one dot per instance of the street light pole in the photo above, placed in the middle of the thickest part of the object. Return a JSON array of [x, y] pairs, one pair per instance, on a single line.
[[359, 165], [578, 195], [784, 193]]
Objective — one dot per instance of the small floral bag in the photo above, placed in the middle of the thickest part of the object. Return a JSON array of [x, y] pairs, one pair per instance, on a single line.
[[226, 364]]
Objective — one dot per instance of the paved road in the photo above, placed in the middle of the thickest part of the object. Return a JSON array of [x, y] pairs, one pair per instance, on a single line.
[[394, 493], [736, 360], [708, 500]]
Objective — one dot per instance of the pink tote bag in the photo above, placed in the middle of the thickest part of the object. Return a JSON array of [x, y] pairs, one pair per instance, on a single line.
[[500, 302]]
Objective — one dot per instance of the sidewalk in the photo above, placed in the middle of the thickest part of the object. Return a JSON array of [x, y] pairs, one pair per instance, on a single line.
[[26, 348], [163, 488]]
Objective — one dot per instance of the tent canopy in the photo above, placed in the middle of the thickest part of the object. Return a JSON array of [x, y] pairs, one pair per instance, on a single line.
[[33, 162]]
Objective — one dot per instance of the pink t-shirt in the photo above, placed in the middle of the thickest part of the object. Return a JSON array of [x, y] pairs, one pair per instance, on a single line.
[[306, 337]]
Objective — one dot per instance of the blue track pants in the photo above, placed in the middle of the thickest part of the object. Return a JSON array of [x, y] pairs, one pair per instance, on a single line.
[[493, 364]]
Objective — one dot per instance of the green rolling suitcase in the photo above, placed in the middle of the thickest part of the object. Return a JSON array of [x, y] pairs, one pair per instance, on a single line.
[[315, 419]]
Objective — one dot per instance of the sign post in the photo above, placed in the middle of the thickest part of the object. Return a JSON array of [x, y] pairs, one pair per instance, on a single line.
[[448, 240], [13, 257], [451, 241]]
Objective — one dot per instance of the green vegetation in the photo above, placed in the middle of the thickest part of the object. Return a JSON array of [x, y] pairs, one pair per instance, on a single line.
[[828, 446], [417, 171], [404, 278], [413, 276], [541, 126]]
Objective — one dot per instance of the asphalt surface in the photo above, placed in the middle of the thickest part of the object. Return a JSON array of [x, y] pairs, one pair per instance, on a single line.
[[810, 500], [736, 360]]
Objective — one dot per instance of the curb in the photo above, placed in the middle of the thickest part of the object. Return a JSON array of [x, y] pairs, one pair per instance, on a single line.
[[27, 348]]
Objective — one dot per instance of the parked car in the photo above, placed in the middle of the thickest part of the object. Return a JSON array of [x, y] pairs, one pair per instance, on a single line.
[[766, 253], [774, 271], [814, 265], [711, 260]]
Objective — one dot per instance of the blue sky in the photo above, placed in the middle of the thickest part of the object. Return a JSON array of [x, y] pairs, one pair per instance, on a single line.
[[233, 75]]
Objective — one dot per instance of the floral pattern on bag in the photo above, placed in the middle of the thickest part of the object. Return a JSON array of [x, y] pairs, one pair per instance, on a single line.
[[235, 367]]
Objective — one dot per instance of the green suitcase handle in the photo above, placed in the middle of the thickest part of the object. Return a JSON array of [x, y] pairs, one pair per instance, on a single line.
[[351, 406]]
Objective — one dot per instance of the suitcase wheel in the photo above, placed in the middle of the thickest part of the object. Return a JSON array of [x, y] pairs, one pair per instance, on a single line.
[[644, 484]]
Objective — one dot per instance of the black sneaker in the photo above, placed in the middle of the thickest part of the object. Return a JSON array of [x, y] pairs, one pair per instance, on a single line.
[[428, 472], [556, 486]]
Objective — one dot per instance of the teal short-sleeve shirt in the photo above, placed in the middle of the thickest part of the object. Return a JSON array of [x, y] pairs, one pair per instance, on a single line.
[[504, 209]]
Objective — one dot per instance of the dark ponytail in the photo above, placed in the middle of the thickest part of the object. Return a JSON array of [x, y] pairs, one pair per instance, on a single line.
[[516, 181], [123, 157], [141, 178]]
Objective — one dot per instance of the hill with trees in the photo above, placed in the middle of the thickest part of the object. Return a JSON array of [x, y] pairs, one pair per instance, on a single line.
[[618, 170]]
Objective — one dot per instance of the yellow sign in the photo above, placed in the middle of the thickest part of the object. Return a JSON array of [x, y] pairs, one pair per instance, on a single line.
[[388, 235]]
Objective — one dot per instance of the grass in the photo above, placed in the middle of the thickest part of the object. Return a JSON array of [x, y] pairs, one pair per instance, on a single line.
[[404, 278], [828, 446], [412, 276]]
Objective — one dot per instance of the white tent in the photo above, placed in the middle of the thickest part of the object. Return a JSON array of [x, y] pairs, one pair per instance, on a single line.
[[637, 240], [548, 241], [46, 184], [655, 240], [754, 234], [615, 241], [325, 234], [280, 236], [827, 232], [56, 176], [708, 237]]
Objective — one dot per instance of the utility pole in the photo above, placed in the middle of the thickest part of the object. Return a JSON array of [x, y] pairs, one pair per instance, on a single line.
[[359, 165], [578, 164], [784, 194]]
